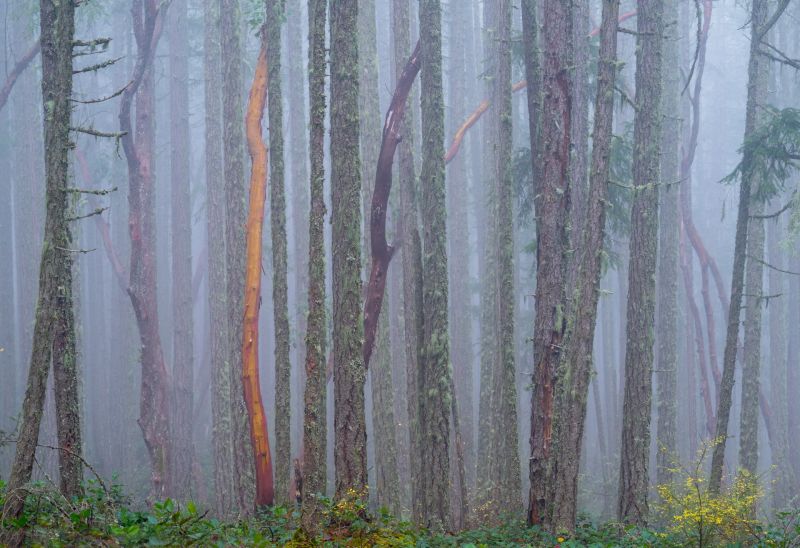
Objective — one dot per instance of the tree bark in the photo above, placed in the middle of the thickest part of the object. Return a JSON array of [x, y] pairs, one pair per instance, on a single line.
[[154, 419], [283, 367], [314, 423], [262, 461], [235, 214], [552, 207], [667, 279], [222, 427], [755, 91], [574, 374], [635, 449], [348, 362], [412, 260], [182, 313], [433, 389], [54, 328]]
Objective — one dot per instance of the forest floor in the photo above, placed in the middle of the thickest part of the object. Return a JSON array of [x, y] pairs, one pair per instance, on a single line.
[[108, 518]]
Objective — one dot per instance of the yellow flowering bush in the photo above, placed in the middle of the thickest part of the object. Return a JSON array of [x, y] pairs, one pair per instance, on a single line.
[[689, 510]]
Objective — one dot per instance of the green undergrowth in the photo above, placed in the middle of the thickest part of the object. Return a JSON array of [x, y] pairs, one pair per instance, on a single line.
[[105, 517]]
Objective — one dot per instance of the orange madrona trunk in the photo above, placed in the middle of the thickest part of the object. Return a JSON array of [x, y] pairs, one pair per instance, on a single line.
[[252, 290]]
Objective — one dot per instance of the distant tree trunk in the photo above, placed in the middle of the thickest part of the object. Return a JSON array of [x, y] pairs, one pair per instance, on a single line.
[[298, 189], [283, 367], [778, 364], [349, 372], [182, 315], [54, 328], [574, 373], [412, 259], [13, 75], [434, 375], [667, 278], [460, 275], [384, 442], [222, 433], [552, 190], [635, 449], [755, 93], [579, 127], [503, 457], [262, 461], [235, 213], [314, 423], [754, 303], [155, 410]]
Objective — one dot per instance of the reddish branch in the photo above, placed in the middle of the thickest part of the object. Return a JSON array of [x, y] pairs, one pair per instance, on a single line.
[[381, 251], [484, 106], [18, 69], [154, 418], [252, 288]]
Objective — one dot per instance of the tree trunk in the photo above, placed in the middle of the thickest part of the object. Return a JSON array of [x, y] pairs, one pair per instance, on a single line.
[[574, 373], [182, 328], [667, 279], [314, 423], [283, 367], [434, 384], [54, 328], [235, 199], [154, 419], [552, 205], [262, 462], [755, 91], [222, 427], [349, 371], [635, 449], [412, 259]]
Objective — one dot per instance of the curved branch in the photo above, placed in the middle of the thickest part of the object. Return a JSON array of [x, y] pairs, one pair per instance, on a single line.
[[484, 106], [381, 251], [18, 69]]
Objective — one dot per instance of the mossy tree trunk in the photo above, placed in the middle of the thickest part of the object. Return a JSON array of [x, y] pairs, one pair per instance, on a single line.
[[54, 327], [222, 428], [314, 423], [638, 391], [434, 385], [575, 368], [235, 215], [274, 18], [348, 366]]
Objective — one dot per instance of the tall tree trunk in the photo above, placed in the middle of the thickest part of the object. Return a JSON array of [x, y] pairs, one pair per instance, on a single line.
[[552, 205], [54, 328], [283, 367], [412, 259], [314, 423], [635, 449], [503, 469], [182, 315], [235, 214], [262, 461], [349, 371], [434, 384], [755, 93], [298, 190], [667, 279], [574, 373], [778, 364], [460, 277], [155, 411], [386, 485], [754, 303], [222, 427]]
